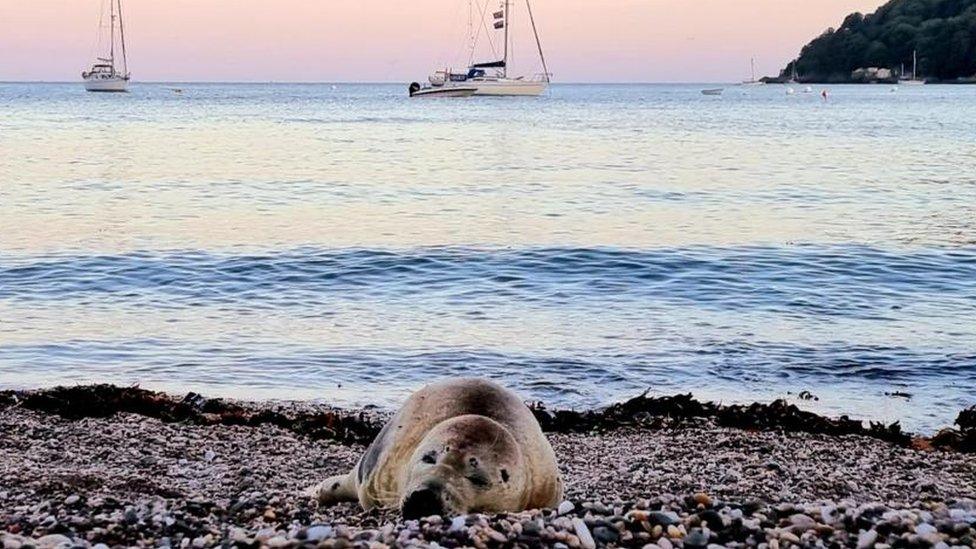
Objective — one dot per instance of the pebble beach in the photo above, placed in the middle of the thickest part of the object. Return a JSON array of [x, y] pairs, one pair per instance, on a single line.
[[129, 479]]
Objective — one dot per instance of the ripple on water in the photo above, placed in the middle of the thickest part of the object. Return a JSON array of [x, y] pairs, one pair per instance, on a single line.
[[614, 321]]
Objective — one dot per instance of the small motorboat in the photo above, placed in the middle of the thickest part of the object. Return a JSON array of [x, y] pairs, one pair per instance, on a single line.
[[713, 91], [416, 90]]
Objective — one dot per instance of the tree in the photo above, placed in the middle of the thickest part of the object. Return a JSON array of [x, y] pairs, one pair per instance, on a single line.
[[943, 32]]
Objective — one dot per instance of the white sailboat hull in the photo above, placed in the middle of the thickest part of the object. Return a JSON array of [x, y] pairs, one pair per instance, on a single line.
[[508, 87], [113, 84], [503, 86]]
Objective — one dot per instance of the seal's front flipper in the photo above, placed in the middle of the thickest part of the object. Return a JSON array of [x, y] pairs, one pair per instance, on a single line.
[[335, 489]]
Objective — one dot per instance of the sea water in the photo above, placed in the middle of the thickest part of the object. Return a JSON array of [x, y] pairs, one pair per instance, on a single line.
[[347, 243]]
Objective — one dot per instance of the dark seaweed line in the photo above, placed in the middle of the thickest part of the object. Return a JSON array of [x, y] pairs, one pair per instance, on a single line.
[[348, 427]]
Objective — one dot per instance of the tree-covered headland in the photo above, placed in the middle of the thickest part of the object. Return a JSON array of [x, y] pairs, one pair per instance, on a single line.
[[941, 32]]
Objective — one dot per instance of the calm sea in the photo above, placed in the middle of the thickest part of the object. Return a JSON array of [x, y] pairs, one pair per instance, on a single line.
[[347, 243]]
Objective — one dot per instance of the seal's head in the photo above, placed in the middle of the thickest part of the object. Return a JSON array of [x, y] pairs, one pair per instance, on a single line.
[[465, 464]]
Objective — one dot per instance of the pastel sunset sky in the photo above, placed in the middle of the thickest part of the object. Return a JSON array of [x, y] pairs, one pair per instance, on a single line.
[[397, 40]]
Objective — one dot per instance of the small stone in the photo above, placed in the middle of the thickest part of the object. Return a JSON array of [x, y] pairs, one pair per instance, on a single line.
[[665, 543], [53, 541], [701, 498], [867, 539], [496, 536], [565, 508], [278, 541], [786, 535], [72, 499], [664, 518], [583, 533], [712, 519], [696, 538], [802, 522], [209, 455], [318, 532], [269, 514], [606, 535], [674, 532], [457, 524]]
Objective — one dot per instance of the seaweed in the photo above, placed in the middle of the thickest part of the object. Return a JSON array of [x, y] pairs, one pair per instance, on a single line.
[[361, 428], [106, 400], [962, 439], [779, 415]]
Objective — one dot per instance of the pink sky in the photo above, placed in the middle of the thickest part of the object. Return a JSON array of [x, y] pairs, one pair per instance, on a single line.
[[396, 40]]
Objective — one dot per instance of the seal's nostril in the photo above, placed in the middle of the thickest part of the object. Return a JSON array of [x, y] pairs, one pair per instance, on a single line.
[[422, 503]]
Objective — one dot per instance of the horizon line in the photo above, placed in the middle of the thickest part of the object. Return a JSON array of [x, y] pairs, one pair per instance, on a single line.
[[366, 82]]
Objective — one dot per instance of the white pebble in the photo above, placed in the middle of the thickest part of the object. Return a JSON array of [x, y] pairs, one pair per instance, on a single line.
[[278, 541], [209, 455], [565, 507], [457, 524], [867, 539], [53, 541], [583, 533], [665, 543], [318, 533]]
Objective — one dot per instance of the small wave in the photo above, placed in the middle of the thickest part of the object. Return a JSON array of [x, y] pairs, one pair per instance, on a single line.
[[843, 281]]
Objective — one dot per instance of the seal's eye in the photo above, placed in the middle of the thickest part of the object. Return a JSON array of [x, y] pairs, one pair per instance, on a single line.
[[504, 475], [473, 462], [478, 481], [429, 457]]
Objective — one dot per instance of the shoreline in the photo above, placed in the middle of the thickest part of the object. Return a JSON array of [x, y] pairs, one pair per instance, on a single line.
[[123, 466]]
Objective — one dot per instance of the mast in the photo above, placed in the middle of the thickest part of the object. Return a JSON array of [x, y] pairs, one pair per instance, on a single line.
[[125, 63], [111, 31], [914, 64], [753, 63], [538, 42], [507, 24]]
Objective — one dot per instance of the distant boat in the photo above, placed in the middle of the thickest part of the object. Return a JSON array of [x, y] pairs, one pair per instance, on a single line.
[[105, 75], [713, 91], [491, 77], [752, 81], [914, 80], [793, 76]]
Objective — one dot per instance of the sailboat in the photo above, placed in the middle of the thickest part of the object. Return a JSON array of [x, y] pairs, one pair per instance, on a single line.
[[794, 78], [752, 81], [492, 77], [105, 75], [914, 80]]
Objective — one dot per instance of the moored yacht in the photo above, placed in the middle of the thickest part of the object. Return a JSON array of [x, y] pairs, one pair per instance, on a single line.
[[492, 77], [914, 80], [104, 75], [752, 81]]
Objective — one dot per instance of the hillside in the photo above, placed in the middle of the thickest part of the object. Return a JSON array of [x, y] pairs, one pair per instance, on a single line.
[[943, 32]]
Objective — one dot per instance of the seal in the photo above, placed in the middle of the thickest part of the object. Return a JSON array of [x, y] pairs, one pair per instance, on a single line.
[[455, 447]]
